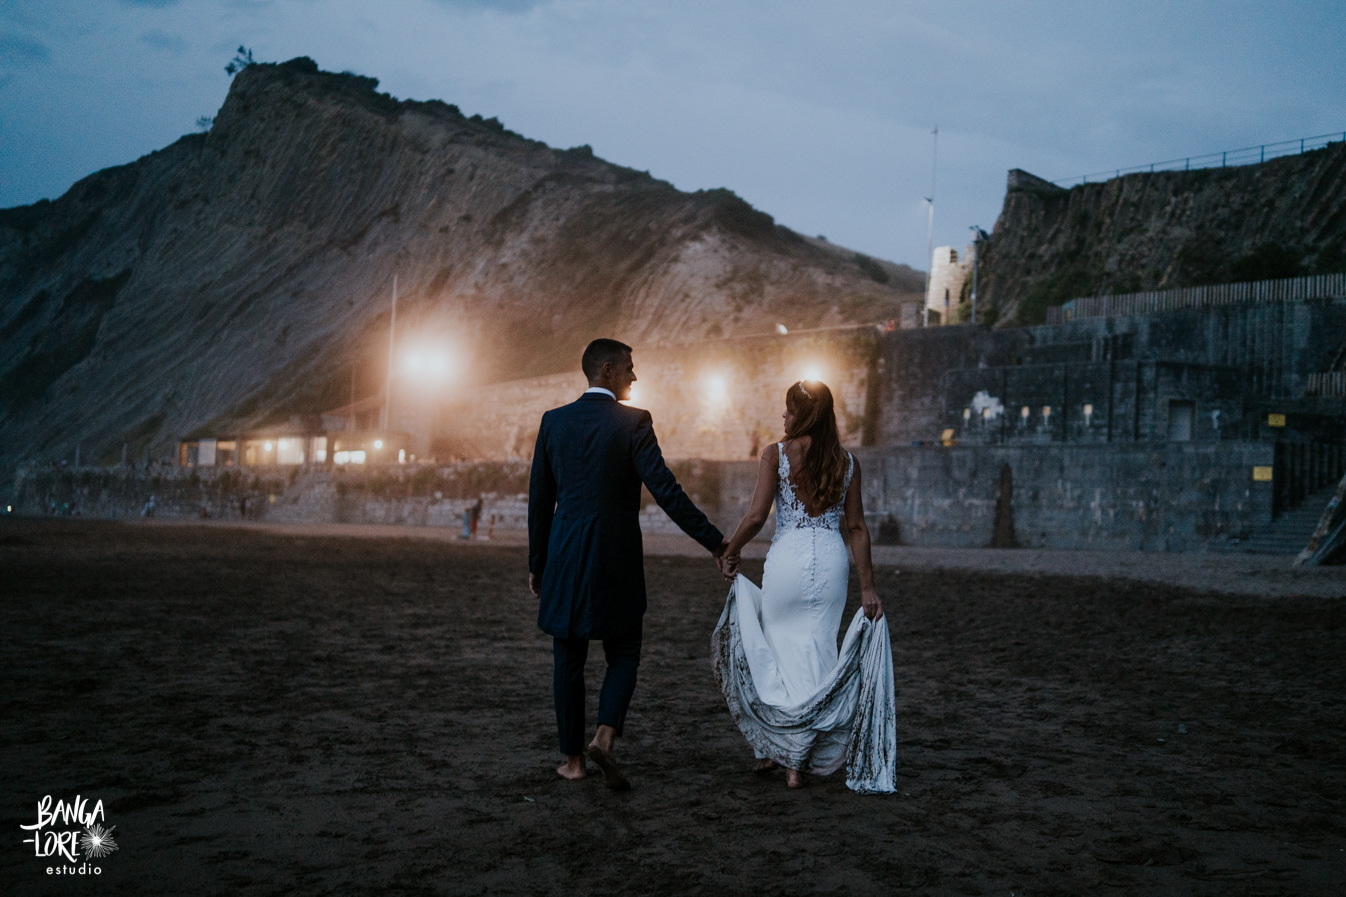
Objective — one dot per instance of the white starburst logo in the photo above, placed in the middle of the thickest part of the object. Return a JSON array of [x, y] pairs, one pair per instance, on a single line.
[[97, 842]]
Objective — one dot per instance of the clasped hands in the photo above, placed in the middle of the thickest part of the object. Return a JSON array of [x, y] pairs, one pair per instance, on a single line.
[[727, 561]]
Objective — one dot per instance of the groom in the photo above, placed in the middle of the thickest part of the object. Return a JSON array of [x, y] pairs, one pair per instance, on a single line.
[[585, 560]]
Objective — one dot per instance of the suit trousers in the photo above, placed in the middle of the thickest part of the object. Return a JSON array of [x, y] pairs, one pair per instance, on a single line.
[[619, 683]]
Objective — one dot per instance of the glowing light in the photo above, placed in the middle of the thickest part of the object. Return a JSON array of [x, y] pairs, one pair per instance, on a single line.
[[346, 457], [813, 371], [268, 446], [632, 398], [428, 363], [782, 329], [716, 390], [401, 456], [378, 443]]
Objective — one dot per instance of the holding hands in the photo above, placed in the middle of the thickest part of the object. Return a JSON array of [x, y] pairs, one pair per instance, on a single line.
[[728, 561], [729, 564]]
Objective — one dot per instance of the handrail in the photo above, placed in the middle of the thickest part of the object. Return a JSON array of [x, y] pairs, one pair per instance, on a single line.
[[1248, 155], [1291, 289]]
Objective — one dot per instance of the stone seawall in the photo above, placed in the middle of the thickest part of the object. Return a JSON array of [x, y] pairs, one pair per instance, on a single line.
[[1160, 497]]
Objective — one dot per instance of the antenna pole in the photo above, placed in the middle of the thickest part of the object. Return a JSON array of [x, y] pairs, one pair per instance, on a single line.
[[930, 229]]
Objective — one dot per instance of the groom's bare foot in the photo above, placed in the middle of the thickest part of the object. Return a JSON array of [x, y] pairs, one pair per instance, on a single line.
[[612, 775], [794, 779], [573, 768], [765, 765]]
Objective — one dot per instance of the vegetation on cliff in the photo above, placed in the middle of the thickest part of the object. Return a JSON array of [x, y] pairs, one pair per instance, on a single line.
[[1153, 231]]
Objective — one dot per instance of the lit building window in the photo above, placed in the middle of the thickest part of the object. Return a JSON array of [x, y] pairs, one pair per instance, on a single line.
[[290, 450]]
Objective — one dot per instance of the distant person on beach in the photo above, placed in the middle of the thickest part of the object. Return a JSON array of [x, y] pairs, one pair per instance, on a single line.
[[585, 555], [802, 705]]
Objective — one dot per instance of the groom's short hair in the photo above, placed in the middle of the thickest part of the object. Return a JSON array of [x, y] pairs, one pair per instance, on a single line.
[[601, 352]]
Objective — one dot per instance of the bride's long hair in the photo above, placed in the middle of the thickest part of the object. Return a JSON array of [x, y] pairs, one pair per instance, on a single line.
[[822, 476]]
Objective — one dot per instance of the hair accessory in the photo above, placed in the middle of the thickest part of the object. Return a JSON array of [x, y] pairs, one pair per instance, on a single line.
[[807, 394]]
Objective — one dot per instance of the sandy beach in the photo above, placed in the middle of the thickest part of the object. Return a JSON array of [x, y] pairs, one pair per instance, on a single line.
[[324, 710]]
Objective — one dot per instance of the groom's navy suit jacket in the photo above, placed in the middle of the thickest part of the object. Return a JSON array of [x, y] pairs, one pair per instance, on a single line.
[[583, 516]]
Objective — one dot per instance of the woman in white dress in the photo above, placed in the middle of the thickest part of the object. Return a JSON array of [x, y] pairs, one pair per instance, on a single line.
[[802, 704]]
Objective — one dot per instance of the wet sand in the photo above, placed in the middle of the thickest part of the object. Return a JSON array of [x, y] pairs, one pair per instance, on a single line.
[[303, 711]]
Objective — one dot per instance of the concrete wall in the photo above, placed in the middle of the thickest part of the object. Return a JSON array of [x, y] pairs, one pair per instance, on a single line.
[[1169, 497], [1174, 497]]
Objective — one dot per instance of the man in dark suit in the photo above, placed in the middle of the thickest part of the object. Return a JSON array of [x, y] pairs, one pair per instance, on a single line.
[[586, 564]]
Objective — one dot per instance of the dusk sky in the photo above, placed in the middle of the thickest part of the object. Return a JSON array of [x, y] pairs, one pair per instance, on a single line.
[[819, 113]]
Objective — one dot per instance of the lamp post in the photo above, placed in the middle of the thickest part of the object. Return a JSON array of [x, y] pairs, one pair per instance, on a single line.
[[386, 418]]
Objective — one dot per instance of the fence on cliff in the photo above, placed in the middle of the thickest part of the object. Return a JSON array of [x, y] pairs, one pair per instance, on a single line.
[[1292, 289], [1248, 155]]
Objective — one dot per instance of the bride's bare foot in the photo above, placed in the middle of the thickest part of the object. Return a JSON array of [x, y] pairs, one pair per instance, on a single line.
[[794, 779], [572, 769], [765, 765]]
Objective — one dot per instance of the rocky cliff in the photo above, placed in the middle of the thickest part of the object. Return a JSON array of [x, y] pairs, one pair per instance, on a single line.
[[245, 275], [1282, 218]]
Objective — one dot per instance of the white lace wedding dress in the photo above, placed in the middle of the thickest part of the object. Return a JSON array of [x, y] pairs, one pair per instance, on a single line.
[[797, 699]]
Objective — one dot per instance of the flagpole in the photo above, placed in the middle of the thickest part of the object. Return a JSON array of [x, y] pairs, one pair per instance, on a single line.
[[930, 230]]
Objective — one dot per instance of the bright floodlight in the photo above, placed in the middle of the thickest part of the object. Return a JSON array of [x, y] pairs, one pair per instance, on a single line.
[[378, 443], [427, 364], [268, 446], [813, 372], [716, 390]]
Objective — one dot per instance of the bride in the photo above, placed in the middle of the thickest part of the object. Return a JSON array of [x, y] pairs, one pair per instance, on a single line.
[[800, 703]]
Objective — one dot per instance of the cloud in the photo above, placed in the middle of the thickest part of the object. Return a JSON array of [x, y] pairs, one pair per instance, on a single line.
[[509, 6], [162, 40], [13, 47]]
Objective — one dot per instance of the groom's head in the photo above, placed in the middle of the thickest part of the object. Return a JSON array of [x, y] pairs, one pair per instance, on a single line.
[[607, 363]]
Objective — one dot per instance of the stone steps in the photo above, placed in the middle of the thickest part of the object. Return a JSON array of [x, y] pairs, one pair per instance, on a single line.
[[1290, 532]]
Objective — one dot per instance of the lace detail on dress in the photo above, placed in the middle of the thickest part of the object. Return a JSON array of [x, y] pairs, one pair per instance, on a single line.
[[790, 511]]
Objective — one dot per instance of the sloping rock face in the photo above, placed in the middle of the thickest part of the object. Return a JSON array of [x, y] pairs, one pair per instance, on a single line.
[[244, 276], [1152, 231]]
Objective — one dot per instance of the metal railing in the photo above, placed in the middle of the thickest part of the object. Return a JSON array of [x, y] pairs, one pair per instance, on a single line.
[[1293, 289], [1248, 155], [1330, 383]]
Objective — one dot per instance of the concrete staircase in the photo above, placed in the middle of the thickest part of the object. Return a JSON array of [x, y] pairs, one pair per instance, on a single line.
[[1290, 532]]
